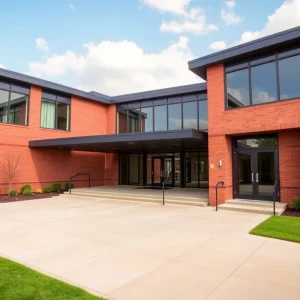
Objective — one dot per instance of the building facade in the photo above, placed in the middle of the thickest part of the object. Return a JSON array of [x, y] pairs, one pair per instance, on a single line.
[[241, 127]]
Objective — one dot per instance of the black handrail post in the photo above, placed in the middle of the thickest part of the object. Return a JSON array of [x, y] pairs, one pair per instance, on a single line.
[[274, 197], [164, 193], [70, 186], [217, 185]]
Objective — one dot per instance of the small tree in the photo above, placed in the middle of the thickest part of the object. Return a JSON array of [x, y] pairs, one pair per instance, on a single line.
[[9, 165]]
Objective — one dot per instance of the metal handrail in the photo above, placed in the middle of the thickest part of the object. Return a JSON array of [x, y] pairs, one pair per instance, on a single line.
[[274, 196], [78, 174], [216, 187], [163, 184]]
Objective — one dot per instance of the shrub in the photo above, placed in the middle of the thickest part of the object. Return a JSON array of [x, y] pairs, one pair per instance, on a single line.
[[67, 186], [25, 187], [27, 192], [56, 187], [296, 203], [47, 189], [39, 191], [12, 193]]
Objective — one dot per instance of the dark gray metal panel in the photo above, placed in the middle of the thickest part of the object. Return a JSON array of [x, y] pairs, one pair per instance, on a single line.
[[125, 140], [199, 65], [20, 89], [185, 89], [160, 102], [4, 86], [52, 86], [173, 100]]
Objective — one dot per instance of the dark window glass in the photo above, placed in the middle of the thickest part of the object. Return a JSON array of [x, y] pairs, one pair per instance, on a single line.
[[257, 143], [147, 119], [263, 80], [203, 115], [122, 121], [289, 77], [62, 116], [174, 115], [18, 108], [133, 125], [190, 115], [160, 118], [237, 89], [4, 98]]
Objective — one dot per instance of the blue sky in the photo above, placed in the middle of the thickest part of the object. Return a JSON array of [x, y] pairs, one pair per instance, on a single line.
[[151, 39]]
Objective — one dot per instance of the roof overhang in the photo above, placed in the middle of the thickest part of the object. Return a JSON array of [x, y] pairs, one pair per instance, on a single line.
[[254, 48], [150, 142]]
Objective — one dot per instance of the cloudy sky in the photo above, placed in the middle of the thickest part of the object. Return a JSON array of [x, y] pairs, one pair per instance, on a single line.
[[118, 46]]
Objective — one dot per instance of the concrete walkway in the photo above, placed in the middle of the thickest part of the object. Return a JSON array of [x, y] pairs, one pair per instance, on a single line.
[[132, 251]]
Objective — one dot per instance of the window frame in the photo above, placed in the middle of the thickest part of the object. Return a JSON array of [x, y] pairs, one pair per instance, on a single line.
[[12, 87], [151, 104], [258, 61], [55, 100]]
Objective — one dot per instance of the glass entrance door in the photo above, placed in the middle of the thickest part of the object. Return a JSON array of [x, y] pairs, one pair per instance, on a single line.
[[255, 173], [163, 170]]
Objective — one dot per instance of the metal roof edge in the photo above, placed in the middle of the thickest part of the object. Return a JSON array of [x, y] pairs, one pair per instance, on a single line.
[[184, 89], [266, 41], [53, 86]]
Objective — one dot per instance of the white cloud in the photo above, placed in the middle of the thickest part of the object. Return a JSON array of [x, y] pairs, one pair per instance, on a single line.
[[228, 15], [171, 6], [285, 17], [1, 66], [230, 4], [120, 67], [41, 44], [218, 45], [71, 6], [192, 20]]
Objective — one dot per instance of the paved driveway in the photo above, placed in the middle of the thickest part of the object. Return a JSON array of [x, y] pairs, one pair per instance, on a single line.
[[130, 251]]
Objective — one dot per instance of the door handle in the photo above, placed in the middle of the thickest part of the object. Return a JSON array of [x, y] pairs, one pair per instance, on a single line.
[[257, 177], [252, 177]]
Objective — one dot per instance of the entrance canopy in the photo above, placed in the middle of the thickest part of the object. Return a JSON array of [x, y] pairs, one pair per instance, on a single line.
[[150, 142]]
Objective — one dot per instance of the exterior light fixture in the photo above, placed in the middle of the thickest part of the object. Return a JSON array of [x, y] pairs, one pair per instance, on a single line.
[[220, 162]]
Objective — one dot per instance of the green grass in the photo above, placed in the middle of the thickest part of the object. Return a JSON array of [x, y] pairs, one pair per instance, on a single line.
[[279, 227], [18, 282]]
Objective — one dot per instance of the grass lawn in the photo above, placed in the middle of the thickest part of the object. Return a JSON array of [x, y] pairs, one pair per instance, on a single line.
[[18, 282], [279, 227]]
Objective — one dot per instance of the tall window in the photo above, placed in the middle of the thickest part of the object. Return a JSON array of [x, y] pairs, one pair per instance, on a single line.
[[55, 112], [263, 81], [203, 124], [190, 115], [160, 118], [174, 115], [237, 89], [13, 104], [147, 119], [289, 77]]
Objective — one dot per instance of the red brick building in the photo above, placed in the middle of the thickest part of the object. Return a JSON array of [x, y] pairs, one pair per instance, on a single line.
[[242, 127]]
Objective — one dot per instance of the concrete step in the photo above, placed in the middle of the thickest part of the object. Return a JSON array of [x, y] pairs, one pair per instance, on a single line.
[[94, 193], [139, 199], [256, 203], [257, 208]]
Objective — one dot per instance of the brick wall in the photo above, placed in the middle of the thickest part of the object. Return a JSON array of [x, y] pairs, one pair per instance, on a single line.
[[280, 117], [44, 166]]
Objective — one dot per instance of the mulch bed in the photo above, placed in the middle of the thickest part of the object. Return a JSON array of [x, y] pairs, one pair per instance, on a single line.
[[6, 198], [291, 213]]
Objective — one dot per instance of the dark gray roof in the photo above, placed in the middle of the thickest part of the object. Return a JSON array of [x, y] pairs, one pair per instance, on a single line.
[[256, 47], [53, 86], [165, 141], [184, 89], [98, 97]]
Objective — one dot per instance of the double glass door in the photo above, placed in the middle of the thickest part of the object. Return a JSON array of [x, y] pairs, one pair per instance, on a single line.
[[255, 172], [163, 170]]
